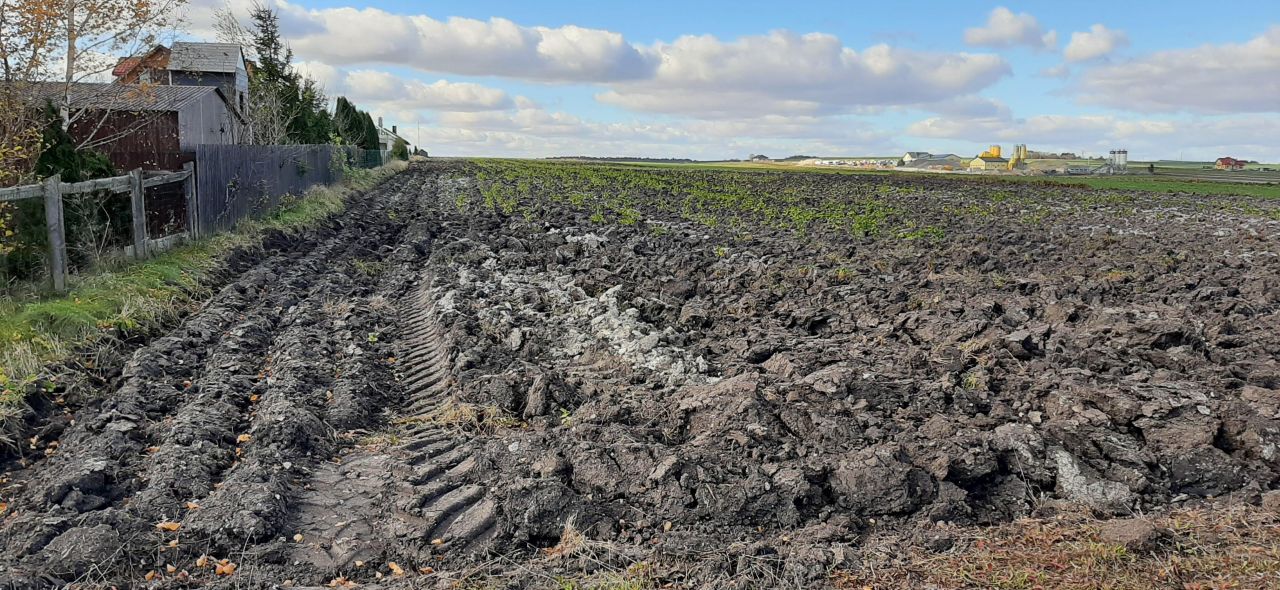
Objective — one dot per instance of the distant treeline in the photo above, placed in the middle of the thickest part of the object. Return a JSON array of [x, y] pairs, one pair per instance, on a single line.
[[620, 159]]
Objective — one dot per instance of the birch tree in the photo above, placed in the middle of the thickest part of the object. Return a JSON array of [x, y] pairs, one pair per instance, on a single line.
[[94, 32], [29, 32]]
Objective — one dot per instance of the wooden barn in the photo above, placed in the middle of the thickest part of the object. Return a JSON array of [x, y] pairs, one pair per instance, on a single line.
[[144, 125], [189, 63]]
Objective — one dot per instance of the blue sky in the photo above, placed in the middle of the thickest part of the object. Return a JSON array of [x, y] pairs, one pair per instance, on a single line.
[[724, 79]]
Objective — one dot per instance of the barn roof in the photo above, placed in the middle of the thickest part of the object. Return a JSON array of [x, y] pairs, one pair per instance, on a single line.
[[122, 97], [205, 57]]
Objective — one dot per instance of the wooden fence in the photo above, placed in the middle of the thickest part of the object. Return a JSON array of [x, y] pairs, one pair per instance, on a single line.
[[234, 182], [221, 185], [53, 189]]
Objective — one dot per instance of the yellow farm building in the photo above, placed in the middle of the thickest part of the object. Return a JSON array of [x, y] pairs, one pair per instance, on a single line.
[[988, 162]]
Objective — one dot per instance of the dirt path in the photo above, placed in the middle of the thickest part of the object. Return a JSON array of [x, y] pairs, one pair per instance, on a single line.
[[420, 394]]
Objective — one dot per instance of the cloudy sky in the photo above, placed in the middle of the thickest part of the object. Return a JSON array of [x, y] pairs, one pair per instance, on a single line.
[[713, 80]]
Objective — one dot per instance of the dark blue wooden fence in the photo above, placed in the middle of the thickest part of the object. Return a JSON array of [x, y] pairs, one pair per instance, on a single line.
[[235, 182]]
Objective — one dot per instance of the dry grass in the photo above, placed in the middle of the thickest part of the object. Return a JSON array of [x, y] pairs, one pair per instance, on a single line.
[[460, 416], [1195, 549]]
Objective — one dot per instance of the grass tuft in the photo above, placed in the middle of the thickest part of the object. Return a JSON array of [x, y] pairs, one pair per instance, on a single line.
[[1196, 549]]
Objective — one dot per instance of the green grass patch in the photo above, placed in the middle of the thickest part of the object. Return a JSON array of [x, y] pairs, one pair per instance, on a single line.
[[1155, 184], [38, 328]]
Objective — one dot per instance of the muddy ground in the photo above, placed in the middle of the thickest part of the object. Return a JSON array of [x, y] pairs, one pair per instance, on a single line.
[[502, 400]]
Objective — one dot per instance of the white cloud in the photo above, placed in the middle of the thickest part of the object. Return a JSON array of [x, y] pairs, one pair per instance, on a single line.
[[398, 92], [1060, 71], [530, 130], [328, 77], [1227, 78], [789, 73], [1006, 29], [498, 47], [779, 73], [1098, 41]]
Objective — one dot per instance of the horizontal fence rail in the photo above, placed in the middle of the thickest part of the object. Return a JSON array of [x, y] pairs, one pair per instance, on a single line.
[[218, 187], [53, 190]]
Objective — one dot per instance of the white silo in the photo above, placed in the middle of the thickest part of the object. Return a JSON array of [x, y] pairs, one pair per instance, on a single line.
[[1119, 160]]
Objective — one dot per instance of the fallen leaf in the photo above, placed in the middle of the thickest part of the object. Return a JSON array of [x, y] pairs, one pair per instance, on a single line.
[[192, 506], [426, 569], [225, 569], [170, 568], [202, 561], [395, 568], [297, 538], [173, 543], [254, 398], [244, 438], [169, 526], [151, 575], [437, 541]]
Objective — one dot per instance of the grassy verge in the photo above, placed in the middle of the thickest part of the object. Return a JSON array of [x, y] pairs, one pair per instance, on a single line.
[[36, 330]]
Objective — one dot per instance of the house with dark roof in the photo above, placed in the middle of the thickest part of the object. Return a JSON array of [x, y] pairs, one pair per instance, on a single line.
[[145, 126], [387, 137]]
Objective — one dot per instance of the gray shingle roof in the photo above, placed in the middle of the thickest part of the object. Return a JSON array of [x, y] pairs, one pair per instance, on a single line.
[[122, 97], [205, 57]]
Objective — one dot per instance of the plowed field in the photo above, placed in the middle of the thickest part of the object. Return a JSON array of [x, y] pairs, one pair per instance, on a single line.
[[519, 374]]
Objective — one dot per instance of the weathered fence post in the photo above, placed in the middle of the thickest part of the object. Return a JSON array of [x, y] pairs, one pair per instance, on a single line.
[[57, 232], [189, 191], [139, 215]]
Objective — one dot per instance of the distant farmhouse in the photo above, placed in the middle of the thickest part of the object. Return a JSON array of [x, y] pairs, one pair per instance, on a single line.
[[1229, 163], [989, 160], [387, 138], [928, 161]]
